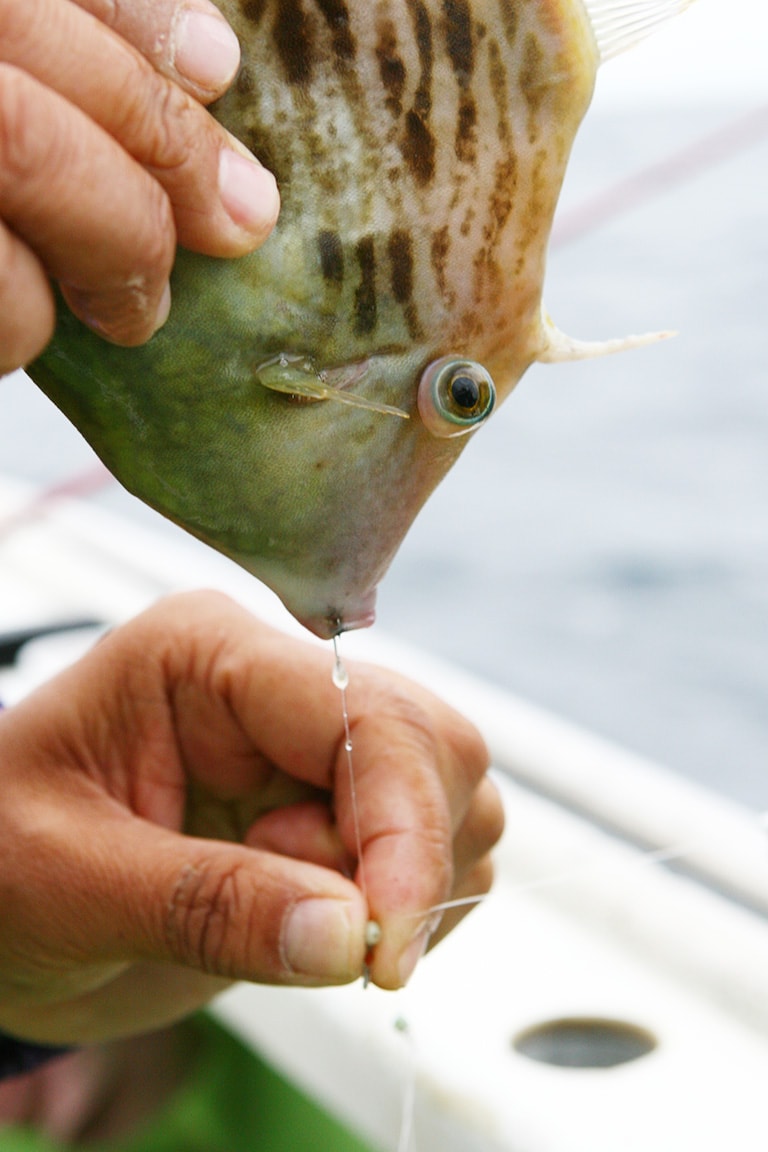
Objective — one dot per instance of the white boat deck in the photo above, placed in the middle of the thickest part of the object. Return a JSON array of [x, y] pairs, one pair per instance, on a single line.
[[586, 927]]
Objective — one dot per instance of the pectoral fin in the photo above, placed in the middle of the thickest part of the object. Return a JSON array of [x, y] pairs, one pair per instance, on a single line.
[[619, 24]]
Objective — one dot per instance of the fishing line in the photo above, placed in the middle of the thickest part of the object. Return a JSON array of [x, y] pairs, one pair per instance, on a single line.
[[644, 859], [340, 678], [408, 1110], [649, 858]]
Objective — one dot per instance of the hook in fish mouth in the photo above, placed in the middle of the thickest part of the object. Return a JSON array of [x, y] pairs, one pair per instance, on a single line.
[[361, 613], [363, 618]]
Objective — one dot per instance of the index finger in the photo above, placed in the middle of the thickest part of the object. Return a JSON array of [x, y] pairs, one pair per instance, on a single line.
[[415, 766], [190, 42], [112, 266], [224, 202]]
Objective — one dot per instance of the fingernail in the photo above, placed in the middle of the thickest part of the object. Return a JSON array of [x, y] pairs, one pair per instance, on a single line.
[[207, 52], [248, 192], [413, 953], [163, 308], [316, 939]]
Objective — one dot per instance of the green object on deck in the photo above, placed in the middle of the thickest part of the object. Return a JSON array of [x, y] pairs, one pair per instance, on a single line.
[[232, 1102]]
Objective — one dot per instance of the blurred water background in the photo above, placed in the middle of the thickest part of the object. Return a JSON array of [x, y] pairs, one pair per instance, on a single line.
[[602, 547]]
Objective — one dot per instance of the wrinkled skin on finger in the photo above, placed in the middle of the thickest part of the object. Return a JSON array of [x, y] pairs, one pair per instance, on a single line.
[[189, 42], [189, 779], [108, 159]]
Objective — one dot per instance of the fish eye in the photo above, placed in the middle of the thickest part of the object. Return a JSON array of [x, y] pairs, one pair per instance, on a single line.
[[455, 396]]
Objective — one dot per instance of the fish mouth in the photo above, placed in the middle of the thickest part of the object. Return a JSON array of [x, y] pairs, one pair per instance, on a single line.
[[357, 614], [325, 607]]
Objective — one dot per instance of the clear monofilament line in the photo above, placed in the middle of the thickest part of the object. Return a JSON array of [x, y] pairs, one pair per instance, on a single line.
[[409, 1093], [341, 680], [651, 858]]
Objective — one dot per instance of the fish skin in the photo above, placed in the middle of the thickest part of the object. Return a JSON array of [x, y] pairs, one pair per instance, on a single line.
[[420, 146]]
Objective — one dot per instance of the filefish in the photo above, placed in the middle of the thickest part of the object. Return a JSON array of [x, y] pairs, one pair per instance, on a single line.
[[301, 403]]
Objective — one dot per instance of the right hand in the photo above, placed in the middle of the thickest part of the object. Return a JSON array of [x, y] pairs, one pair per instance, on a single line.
[[108, 159], [176, 813]]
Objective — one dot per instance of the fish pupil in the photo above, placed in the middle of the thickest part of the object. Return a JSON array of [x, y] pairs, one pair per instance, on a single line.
[[465, 392]]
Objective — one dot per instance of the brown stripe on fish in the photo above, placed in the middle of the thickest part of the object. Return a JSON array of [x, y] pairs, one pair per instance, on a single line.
[[418, 144], [336, 16], [391, 66], [244, 81], [294, 37], [439, 252], [509, 13], [400, 251], [531, 217], [418, 149], [253, 10], [488, 273], [366, 314], [458, 37], [345, 51], [497, 75], [502, 197], [331, 257], [534, 81], [459, 42], [466, 125], [422, 28]]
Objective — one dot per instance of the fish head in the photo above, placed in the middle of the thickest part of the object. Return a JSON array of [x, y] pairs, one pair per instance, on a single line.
[[308, 477], [301, 403], [349, 479]]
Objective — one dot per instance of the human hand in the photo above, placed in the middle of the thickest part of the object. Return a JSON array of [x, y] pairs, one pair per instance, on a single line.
[[177, 815], [108, 158]]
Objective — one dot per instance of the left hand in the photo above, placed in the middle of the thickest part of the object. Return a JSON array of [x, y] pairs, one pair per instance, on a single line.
[[109, 159], [176, 815]]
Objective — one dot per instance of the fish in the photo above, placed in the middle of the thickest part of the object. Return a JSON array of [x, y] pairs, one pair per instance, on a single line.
[[302, 402]]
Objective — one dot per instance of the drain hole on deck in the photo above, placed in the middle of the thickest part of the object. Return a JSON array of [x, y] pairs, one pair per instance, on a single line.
[[584, 1042]]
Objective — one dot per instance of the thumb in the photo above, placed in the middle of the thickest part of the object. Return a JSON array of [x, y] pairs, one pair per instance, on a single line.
[[220, 908]]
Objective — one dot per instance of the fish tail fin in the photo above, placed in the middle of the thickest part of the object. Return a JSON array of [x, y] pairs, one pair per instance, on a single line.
[[558, 348], [619, 24]]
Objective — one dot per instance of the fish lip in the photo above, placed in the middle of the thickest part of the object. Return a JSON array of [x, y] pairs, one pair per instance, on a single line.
[[333, 622], [363, 619]]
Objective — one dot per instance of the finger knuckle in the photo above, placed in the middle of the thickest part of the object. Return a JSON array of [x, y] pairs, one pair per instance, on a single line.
[[482, 875], [27, 313], [111, 13], [160, 124], [437, 728], [19, 145], [160, 245], [18, 29], [43, 141], [486, 817], [411, 716], [37, 141], [470, 746], [205, 918], [152, 252], [203, 604]]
